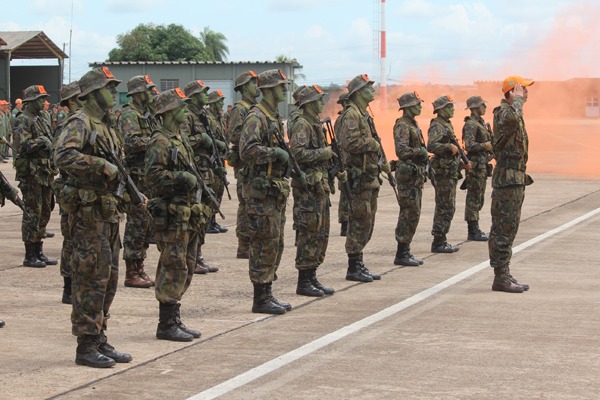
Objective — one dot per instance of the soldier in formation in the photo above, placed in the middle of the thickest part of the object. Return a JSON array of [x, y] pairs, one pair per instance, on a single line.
[[343, 204]]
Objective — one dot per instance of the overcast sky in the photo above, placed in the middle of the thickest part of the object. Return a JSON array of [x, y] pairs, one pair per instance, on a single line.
[[438, 41]]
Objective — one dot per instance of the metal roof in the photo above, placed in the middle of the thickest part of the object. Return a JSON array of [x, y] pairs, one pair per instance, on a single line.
[[294, 63], [29, 44]]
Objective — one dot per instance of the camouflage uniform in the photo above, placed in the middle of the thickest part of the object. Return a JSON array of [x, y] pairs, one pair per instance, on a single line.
[[361, 153], [219, 136], [236, 122], [410, 175], [35, 173], [446, 167], [343, 204], [509, 179], [94, 215], [136, 123]]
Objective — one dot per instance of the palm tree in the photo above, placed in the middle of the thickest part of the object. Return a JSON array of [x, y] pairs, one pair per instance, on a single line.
[[215, 44]]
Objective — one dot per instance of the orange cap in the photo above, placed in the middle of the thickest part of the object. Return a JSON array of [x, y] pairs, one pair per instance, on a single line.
[[3, 102], [18, 101], [510, 82]]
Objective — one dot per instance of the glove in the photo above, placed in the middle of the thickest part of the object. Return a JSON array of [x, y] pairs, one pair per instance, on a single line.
[[301, 178], [385, 168], [327, 153], [281, 154], [110, 170], [374, 146], [342, 176], [423, 154], [221, 145], [186, 179], [206, 141]]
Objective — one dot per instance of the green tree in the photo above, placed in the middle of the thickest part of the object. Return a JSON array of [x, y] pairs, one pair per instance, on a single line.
[[214, 43], [149, 42]]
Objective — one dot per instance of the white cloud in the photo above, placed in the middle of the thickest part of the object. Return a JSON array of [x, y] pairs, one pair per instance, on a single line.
[[55, 7], [415, 8], [133, 6]]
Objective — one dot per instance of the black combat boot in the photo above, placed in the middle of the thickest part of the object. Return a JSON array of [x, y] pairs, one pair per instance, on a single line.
[[305, 286], [344, 229], [110, 352], [39, 248], [87, 353], [474, 233], [262, 303], [1, 323], [319, 285], [167, 326], [31, 258], [440, 245], [403, 256], [365, 270], [286, 306], [66, 296], [421, 262], [355, 272], [196, 334], [503, 283]]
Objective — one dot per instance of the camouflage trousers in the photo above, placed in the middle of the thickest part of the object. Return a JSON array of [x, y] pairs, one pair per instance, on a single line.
[[241, 229], [66, 253], [38, 204], [137, 229], [266, 223], [475, 196], [312, 226], [95, 272], [176, 265], [362, 221], [445, 205], [506, 215], [204, 226], [410, 212], [342, 207]]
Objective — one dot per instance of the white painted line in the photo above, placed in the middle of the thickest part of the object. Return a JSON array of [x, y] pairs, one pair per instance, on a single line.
[[283, 360]]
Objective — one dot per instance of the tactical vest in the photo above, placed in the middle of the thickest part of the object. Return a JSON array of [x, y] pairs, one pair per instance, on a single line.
[[33, 163], [446, 165], [270, 126], [134, 159], [479, 157], [411, 170]]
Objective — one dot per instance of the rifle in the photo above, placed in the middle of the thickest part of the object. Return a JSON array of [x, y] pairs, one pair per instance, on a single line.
[[177, 156], [382, 158], [338, 165], [136, 196], [216, 158], [5, 142], [292, 162], [11, 194]]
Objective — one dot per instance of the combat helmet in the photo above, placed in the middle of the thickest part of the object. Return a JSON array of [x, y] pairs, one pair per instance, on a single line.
[[343, 99], [68, 91], [442, 102], [194, 87], [309, 93], [34, 92], [95, 79], [296, 93], [243, 78], [169, 100], [358, 82], [215, 96], [409, 99], [139, 84], [474, 102], [271, 78]]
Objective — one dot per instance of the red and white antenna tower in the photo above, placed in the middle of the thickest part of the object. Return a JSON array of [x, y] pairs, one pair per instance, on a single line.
[[382, 62]]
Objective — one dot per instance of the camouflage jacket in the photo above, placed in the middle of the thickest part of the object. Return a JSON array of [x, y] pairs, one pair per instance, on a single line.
[[308, 144], [136, 126], [475, 134], [194, 129], [359, 147], [217, 126], [444, 163], [408, 141], [236, 122], [84, 163], [510, 144], [33, 142]]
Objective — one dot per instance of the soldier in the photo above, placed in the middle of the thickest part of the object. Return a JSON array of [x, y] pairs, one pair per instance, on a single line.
[[245, 84], [446, 167], [227, 117], [136, 124], [477, 138], [343, 204], [68, 98], [410, 174], [202, 144], [511, 144], [18, 108], [5, 129], [266, 189], [219, 136], [35, 173], [311, 201], [95, 210], [177, 211], [361, 151]]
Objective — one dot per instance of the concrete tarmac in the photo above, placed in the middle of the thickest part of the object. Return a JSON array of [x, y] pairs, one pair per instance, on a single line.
[[390, 339]]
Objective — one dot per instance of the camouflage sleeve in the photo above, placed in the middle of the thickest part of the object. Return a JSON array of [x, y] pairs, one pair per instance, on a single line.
[[129, 127], [23, 139], [68, 154], [469, 137], [158, 175], [252, 149], [196, 140], [300, 143], [506, 125], [434, 141], [404, 151], [236, 122], [352, 139]]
